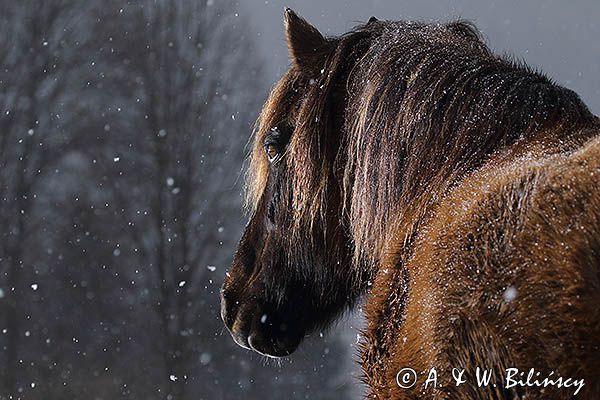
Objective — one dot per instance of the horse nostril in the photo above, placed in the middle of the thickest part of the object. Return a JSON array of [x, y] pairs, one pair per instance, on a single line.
[[235, 322], [223, 304], [223, 310], [229, 309], [225, 293]]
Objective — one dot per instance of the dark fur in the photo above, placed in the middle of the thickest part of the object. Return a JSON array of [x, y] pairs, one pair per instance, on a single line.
[[441, 174]]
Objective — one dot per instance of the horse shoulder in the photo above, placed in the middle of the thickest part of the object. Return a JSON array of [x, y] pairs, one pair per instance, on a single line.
[[503, 274]]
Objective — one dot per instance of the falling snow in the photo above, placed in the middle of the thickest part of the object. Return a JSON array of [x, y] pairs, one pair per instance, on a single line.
[[125, 128], [510, 294]]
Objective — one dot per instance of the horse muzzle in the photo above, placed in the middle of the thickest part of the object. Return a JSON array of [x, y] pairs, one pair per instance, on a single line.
[[260, 328]]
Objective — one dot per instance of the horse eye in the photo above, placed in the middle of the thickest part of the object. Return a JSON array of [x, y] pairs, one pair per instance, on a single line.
[[272, 152]]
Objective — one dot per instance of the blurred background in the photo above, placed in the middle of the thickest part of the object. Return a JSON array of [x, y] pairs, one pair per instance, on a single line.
[[123, 130]]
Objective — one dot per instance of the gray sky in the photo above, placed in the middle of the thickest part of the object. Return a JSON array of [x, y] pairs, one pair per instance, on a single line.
[[560, 37]]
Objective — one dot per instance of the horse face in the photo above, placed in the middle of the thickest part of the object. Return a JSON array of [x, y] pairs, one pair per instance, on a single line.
[[292, 271]]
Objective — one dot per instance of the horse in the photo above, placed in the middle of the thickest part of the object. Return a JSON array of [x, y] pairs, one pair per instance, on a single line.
[[453, 190]]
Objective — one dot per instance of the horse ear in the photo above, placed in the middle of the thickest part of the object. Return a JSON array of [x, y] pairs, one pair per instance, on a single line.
[[305, 43]]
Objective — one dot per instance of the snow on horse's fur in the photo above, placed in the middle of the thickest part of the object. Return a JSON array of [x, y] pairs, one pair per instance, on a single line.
[[457, 188]]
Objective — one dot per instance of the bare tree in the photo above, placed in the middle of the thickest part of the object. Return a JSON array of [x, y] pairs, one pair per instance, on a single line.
[[39, 50], [122, 132], [184, 71]]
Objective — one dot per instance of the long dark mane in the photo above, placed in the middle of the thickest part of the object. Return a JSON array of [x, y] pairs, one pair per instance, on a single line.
[[423, 105], [454, 186]]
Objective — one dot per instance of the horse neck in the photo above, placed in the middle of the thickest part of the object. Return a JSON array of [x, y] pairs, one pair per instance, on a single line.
[[410, 142]]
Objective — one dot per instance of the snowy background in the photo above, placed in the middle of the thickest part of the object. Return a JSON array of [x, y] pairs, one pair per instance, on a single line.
[[122, 134]]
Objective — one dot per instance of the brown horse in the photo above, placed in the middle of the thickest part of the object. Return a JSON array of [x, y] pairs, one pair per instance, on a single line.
[[458, 189]]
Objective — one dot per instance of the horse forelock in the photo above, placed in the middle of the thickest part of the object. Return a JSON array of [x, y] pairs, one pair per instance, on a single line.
[[312, 150], [258, 166]]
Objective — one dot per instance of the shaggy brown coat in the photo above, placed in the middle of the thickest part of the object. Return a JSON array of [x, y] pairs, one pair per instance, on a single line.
[[462, 185]]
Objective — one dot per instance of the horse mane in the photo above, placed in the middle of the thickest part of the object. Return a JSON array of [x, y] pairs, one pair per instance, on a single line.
[[393, 115]]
